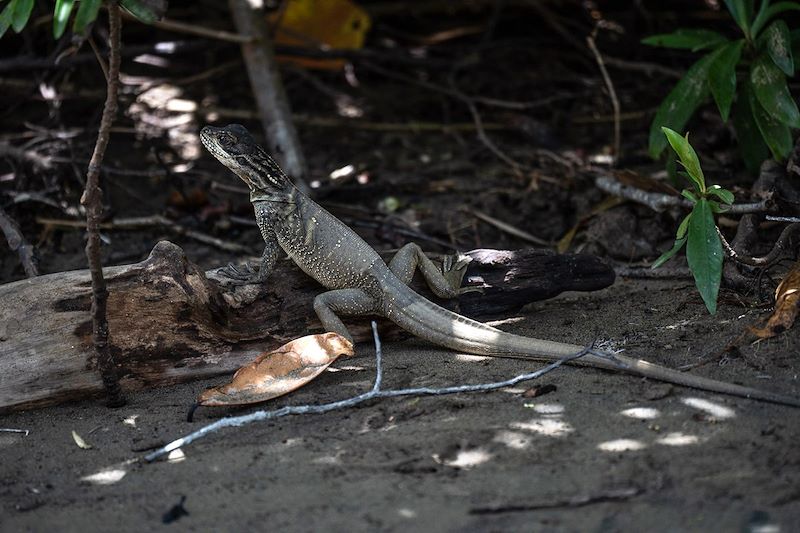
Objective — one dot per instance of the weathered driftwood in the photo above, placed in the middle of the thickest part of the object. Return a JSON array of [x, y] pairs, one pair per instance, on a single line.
[[171, 322]]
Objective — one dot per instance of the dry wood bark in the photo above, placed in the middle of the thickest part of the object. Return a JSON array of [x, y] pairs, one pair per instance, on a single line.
[[171, 322]]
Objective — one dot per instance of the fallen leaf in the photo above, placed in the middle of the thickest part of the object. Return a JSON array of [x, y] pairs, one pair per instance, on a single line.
[[279, 372], [338, 24], [787, 304], [82, 444]]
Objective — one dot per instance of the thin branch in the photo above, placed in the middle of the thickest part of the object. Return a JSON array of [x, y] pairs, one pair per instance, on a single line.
[[92, 200], [18, 243], [374, 393], [201, 31], [153, 221], [612, 93], [777, 253], [268, 90], [508, 228], [659, 201]]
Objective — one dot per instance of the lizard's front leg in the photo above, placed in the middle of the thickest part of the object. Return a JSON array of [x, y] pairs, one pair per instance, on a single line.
[[444, 282], [245, 275], [342, 301]]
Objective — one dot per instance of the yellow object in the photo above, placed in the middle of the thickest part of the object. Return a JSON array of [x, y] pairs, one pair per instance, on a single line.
[[320, 24]]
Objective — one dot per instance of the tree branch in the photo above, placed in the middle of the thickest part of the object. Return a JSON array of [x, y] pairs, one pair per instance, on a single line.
[[92, 200]]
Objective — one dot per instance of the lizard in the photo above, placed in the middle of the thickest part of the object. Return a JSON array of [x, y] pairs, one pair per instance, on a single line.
[[359, 282]]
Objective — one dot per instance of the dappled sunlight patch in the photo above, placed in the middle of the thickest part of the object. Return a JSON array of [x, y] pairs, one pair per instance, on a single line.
[[513, 439], [109, 475], [467, 358], [405, 512], [716, 410], [465, 459], [641, 413], [547, 408], [678, 439], [332, 459], [764, 528], [621, 445], [550, 427], [160, 112]]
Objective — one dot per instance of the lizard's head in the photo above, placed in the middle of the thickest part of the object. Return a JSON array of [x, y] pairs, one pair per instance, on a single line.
[[236, 149]]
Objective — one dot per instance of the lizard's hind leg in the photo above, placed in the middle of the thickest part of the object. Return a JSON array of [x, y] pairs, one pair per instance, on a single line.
[[444, 282], [345, 302]]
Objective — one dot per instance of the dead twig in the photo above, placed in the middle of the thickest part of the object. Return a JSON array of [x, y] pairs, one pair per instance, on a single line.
[[350, 123], [39, 161], [92, 200], [508, 228], [659, 201], [137, 223], [612, 93], [268, 91], [18, 243], [15, 430], [201, 31], [778, 252], [375, 393]]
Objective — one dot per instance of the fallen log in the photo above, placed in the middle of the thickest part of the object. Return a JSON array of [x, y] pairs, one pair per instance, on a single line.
[[171, 322]]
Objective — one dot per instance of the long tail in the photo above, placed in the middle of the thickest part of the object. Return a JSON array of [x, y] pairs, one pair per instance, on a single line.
[[429, 321]]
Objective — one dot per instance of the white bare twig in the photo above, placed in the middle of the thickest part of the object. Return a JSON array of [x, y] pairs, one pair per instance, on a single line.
[[376, 392]]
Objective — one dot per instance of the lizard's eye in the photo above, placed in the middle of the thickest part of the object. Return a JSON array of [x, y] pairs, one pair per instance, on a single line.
[[226, 141]]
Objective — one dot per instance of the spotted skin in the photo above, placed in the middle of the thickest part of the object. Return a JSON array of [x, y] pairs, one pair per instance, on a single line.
[[361, 283]]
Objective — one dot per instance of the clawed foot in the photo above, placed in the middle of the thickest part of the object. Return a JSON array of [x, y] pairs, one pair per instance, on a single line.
[[454, 267], [242, 274]]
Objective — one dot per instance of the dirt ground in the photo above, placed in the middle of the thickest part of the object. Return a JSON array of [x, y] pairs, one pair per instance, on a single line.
[[604, 452]]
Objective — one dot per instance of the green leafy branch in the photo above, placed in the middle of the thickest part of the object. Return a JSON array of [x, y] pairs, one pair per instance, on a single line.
[[698, 231], [763, 110], [16, 13]]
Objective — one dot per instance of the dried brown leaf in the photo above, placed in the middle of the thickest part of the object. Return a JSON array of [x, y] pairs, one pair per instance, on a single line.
[[279, 372], [787, 305]]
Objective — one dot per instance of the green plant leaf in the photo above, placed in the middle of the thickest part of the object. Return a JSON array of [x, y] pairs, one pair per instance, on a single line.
[[769, 86], [779, 46], [689, 195], [21, 14], [680, 104], [751, 143], [704, 253], [666, 256], [724, 195], [742, 12], [61, 16], [147, 11], [722, 75], [6, 17], [717, 207], [759, 20], [683, 227], [764, 15], [686, 39], [687, 156], [87, 13], [776, 135]]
